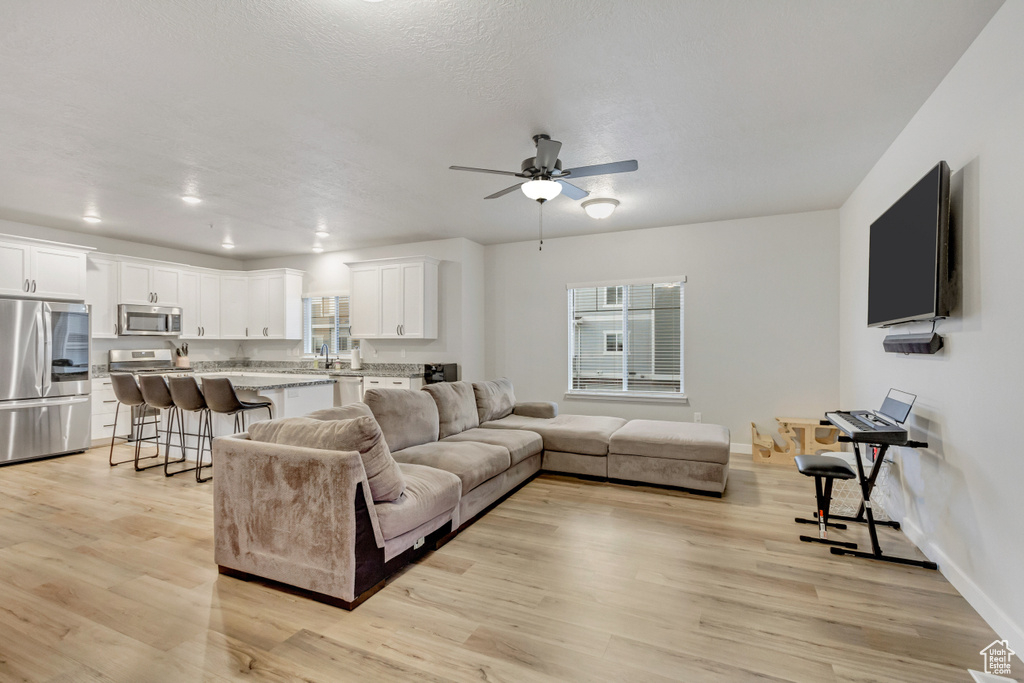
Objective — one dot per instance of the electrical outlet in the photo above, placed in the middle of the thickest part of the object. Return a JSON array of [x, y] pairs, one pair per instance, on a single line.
[[696, 417], [402, 353]]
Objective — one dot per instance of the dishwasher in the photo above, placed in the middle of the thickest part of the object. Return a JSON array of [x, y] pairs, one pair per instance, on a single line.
[[348, 390]]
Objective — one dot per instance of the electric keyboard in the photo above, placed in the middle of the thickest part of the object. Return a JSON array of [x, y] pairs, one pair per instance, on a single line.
[[863, 426]]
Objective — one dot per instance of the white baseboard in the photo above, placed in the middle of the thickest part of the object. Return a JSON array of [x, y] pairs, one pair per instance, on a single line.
[[745, 448], [993, 615]]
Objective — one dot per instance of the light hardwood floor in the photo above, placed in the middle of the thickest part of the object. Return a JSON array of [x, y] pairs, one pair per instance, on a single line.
[[107, 574]]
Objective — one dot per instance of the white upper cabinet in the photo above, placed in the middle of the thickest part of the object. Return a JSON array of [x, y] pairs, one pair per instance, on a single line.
[[394, 298], [145, 283], [101, 294], [42, 270], [199, 294], [234, 306]]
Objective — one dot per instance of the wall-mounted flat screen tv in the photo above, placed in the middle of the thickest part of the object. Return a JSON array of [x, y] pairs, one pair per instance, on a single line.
[[908, 262]]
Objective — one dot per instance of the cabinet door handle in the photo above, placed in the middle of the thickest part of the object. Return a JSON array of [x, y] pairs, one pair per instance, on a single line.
[[115, 329], [247, 332], [113, 400], [28, 285], [156, 298], [33, 286], [202, 331]]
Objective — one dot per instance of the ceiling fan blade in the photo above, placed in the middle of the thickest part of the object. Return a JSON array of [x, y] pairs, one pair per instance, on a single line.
[[502, 193], [484, 170], [602, 169], [547, 153], [571, 191]]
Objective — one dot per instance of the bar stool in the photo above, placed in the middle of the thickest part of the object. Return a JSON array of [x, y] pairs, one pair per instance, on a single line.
[[157, 395], [221, 398], [127, 392], [188, 399], [825, 469]]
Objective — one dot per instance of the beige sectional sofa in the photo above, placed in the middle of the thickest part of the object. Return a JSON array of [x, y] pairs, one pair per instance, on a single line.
[[336, 502]]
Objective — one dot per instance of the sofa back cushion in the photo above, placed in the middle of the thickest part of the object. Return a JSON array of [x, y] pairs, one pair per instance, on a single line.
[[494, 399], [362, 435], [347, 412], [456, 407], [407, 417]]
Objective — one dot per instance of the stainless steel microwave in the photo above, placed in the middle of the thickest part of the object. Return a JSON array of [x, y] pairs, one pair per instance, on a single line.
[[133, 320]]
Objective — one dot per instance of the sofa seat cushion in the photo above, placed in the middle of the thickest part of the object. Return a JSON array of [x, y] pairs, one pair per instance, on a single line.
[[429, 492], [473, 463], [407, 417], [362, 435], [494, 399], [520, 444], [584, 434], [456, 406], [673, 440]]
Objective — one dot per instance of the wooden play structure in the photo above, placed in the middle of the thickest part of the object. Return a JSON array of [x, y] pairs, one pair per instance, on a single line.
[[799, 435]]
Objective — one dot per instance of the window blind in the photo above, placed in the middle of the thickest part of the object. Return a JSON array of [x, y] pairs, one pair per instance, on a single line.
[[626, 338], [325, 320]]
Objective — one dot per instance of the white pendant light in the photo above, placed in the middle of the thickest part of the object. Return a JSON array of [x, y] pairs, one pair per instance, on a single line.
[[542, 189], [600, 208]]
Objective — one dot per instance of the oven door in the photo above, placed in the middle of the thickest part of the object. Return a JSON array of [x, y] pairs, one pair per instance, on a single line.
[[148, 320], [65, 349]]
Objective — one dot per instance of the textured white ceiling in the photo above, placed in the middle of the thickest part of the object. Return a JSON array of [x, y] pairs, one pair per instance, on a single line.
[[286, 114]]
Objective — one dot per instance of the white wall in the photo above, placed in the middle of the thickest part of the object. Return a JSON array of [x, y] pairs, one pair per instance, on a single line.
[[460, 302], [960, 499], [760, 320]]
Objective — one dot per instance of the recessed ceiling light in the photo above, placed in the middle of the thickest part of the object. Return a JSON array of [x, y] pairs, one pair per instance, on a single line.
[[91, 219], [600, 208], [322, 233], [190, 199], [227, 245], [317, 250]]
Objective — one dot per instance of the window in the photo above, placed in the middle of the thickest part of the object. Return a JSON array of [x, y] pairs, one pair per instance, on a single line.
[[325, 321], [613, 342], [625, 339]]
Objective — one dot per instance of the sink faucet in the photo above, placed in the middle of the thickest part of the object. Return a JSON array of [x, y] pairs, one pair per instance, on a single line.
[[326, 354]]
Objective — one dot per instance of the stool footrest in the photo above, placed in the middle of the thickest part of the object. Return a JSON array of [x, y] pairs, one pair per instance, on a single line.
[[827, 541]]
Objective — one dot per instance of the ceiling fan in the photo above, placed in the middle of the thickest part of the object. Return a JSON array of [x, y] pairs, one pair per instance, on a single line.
[[544, 177]]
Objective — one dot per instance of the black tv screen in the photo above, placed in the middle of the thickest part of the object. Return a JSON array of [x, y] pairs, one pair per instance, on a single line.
[[908, 270]]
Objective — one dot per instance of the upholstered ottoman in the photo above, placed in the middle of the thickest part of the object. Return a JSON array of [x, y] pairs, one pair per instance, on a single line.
[[683, 454]]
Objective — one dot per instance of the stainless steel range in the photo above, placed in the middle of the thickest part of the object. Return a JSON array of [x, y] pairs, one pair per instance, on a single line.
[[145, 362], [44, 379]]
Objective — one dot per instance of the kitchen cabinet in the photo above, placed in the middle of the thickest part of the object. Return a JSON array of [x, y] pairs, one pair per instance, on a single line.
[[394, 298], [199, 294], [101, 294], [392, 383], [262, 305], [104, 406], [149, 284], [40, 270], [234, 306]]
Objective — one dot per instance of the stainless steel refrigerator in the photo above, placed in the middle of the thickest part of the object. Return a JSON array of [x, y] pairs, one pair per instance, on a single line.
[[44, 379]]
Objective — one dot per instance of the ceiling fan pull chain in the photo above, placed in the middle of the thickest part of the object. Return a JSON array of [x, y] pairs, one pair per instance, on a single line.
[[541, 247]]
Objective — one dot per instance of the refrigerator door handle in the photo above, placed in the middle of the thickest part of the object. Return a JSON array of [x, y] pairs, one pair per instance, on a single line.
[[47, 350]]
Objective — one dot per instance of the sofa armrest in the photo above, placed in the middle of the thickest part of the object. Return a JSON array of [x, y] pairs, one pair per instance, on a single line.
[[300, 516], [543, 409]]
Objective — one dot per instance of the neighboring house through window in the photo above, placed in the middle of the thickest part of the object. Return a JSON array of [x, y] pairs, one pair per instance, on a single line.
[[625, 339]]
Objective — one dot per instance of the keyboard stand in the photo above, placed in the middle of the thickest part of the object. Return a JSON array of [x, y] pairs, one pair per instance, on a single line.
[[864, 514]]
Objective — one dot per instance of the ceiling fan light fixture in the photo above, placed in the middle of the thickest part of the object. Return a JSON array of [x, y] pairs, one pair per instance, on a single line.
[[542, 189], [600, 208]]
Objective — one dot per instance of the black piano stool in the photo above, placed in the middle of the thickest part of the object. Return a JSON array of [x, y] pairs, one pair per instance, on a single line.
[[825, 469]]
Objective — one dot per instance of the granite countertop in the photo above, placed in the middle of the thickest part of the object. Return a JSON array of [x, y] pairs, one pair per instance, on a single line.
[[262, 382], [303, 367]]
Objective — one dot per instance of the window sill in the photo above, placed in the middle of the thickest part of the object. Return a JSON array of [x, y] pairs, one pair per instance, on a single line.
[[632, 397]]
